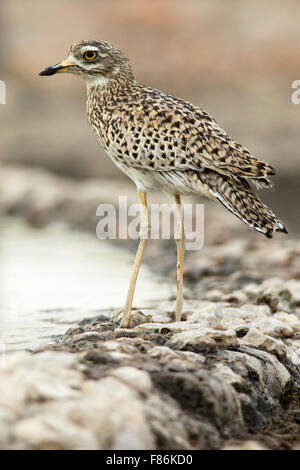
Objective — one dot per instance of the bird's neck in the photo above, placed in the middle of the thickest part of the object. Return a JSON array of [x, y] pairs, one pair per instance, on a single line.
[[103, 99], [97, 81], [109, 89], [118, 79]]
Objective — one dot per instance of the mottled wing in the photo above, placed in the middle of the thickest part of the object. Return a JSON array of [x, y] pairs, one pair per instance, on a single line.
[[165, 133]]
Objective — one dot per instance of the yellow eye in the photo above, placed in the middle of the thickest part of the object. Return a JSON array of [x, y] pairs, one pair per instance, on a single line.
[[90, 55]]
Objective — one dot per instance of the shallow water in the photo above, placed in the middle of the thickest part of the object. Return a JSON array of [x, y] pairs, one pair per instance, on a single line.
[[51, 278]]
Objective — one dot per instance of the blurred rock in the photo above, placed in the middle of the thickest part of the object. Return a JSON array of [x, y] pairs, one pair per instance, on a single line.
[[247, 445], [228, 370], [160, 384], [243, 76], [256, 338]]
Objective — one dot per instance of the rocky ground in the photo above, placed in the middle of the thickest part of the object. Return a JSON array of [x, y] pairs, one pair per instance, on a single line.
[[226, 377]]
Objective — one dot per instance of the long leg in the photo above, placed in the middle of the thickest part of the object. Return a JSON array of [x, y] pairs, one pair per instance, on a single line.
[[179, 237], [144, 235]]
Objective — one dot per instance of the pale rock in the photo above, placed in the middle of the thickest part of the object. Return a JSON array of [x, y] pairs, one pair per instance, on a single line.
[[114, 412], [294, 344], [7, 419], [254, 311], [293, 286], [177, 360], [111, 345], [239, 296], [206, 338], [208, 314], [87, 336], [273, 327], [214, 295], [32, 377], [159, 412], [275, 372], [188, 308], [226, 317], [141, 316], [54, 431], [293, 356], [275, 292], [252, 289], [232, 249], [293, 351], [174, 326], [255, 338], [47, 402], [161, 317], [290, 319], [118, 356], [268, 370], [227, 374], [122, 347], [135, 378], [194, 339], [247, 445]]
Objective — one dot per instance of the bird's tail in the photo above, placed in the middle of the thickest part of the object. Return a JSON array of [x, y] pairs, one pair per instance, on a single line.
[[236, 194]]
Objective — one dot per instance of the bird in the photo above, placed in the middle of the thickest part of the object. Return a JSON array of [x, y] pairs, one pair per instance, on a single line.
[[166, 144]]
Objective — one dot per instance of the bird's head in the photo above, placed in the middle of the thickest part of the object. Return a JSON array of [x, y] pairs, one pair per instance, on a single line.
[[97, 62]]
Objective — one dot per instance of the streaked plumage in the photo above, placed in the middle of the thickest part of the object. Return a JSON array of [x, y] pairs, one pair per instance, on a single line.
[[165, 143]]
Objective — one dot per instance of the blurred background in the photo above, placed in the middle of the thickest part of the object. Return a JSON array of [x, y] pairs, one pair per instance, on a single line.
[[235, 59]]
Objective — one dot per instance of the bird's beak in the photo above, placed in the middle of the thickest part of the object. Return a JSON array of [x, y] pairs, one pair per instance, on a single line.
[[62, 67]]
